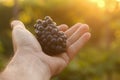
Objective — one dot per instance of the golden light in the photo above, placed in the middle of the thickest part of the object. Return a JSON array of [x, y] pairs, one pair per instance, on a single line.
[[100, 3], [93, 0], [118, 0], [8, 3]]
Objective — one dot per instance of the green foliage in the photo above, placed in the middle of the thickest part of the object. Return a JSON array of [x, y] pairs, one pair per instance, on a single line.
[[98, 59]]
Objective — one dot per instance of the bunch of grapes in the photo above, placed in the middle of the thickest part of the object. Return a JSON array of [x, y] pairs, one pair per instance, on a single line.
[[52, 41]]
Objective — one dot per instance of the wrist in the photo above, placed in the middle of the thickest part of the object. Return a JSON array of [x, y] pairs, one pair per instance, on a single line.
[[26, 67]]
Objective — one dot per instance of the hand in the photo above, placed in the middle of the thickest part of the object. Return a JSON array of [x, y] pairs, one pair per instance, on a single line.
[[30, 57]]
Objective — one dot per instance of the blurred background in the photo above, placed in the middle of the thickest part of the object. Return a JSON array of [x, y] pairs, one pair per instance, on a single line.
[[99, 59]]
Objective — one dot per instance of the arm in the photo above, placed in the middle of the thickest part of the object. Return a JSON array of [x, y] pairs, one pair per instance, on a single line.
[[31, 63]]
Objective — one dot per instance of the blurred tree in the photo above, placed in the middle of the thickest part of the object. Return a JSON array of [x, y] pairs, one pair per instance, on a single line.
[[98, 60]]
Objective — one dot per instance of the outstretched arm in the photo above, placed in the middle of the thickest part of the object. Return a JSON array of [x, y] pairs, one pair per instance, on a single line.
[[31, 63]]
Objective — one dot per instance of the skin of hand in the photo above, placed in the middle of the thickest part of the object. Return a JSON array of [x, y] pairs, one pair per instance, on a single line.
[[31, 63]]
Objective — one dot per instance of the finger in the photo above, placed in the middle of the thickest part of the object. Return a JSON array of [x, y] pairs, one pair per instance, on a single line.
[[75, 36], [75, 47], [62, 27], [22, 38], [13, 24], [70, 31]]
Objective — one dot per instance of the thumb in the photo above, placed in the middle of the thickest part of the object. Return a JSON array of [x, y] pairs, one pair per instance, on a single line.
[[22, 38]]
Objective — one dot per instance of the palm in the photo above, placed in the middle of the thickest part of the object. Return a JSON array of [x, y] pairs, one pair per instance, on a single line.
[[77, 36]]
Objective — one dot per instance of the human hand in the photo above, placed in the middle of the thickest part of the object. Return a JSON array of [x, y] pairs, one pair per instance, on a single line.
[[29, 52]]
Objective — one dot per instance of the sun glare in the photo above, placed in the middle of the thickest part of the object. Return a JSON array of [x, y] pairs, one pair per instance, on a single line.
[[118, 0], [100, 3]]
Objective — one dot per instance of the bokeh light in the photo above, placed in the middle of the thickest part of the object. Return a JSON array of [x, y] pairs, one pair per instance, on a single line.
[[99, 59], [118, 0], [100, 3]]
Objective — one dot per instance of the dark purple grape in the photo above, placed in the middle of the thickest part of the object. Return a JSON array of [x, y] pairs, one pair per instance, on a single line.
[[54, 31], [39, 21], [49, 37], [48, 28]]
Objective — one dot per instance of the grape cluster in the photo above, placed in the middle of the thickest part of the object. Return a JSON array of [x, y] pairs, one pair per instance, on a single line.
[[52, 40]]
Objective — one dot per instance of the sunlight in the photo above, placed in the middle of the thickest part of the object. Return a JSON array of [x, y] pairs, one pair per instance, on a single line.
[[8, 3], [118, 0], [100, 3]]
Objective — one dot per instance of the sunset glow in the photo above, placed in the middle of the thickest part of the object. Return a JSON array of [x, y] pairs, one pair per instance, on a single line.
[[118, 0], [100, 3]]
